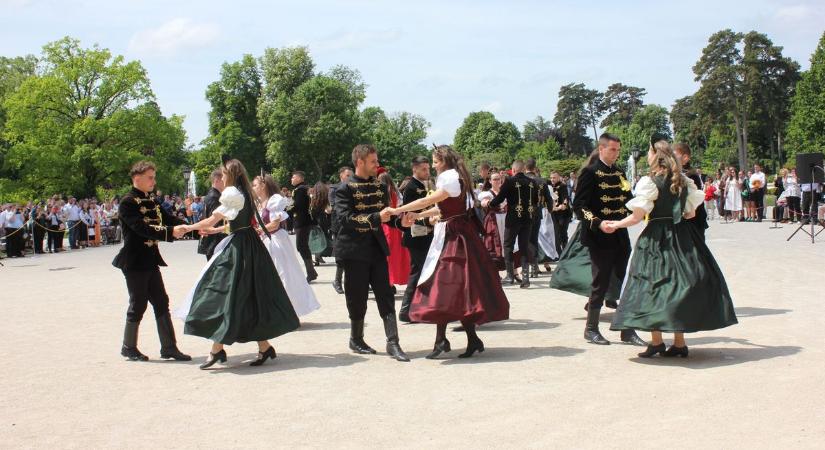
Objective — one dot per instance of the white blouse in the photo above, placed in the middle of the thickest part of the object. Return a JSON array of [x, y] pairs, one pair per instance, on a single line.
[[276, 205], [647, 192], [450, 182], [232, 202]]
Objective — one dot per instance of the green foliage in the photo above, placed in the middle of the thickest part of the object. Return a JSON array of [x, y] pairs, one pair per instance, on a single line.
[[564, 166], [646, 121], [620, 103], [397, 137], [83, 120], [481, 133], [573, 117], [806, 130]]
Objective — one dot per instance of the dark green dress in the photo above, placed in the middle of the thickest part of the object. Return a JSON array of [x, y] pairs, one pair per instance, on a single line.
[[239, 297], [673, 283], [572, 273]]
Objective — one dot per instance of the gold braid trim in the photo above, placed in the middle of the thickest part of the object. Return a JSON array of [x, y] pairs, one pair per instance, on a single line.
[[605, 198], [362, 206], [607, 211], [360, 195], [604, 185]]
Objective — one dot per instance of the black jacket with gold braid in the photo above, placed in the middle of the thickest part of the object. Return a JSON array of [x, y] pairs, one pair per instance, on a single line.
[[358, 204], [601, 194], [522, 195], [144, 225]]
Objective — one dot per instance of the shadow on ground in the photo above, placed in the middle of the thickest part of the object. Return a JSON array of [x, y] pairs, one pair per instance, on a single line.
[[709, 357]]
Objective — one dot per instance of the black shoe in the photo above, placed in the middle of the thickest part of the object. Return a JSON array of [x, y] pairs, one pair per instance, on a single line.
[[652, 350], [213, 358], [311, 277], [133, 354], [404, 316], [439, 347], [175, 354], [591, 328], [612, 304], [630, 337], [262, 357], [472, 347], [394, 290], [391, 331], [509, 279], [394, 350], [525, 283], [595, 337], [168, 344], [337, 286], [359, 346], [677, 351]]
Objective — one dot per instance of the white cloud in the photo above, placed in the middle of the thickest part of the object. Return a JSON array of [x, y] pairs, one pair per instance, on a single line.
[[174, 36], [793, 13], [350, 40], [15, 3], [492, 107]]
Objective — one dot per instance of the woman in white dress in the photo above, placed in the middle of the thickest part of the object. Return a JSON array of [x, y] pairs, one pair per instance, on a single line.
[[280, 246], [733, 194]]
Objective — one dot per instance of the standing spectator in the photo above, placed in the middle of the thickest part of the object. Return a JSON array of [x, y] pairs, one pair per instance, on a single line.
[[13, 226], [744, 182], [733, 195], [757, 183], [56, 230], [793, 195], [711, 192], [71, 215], [85, 223], [779, 208], [39, 225], [197, 210]]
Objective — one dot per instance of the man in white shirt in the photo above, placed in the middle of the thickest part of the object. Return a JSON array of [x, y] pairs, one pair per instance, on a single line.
[[71, 214], [757, 184]]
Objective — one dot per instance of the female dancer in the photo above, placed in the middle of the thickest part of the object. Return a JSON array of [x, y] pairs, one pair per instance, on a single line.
[[673, 283], [399, 260], [320, 211], [281, 249], [238, 297], [459, 280]]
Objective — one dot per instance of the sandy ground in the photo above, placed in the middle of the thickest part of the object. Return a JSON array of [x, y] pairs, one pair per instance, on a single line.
[[758, 384]]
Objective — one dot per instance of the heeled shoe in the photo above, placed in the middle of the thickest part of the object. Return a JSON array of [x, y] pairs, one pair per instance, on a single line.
[[262, 357], [472, 347], [439, 347], [213, 358], [677, 351], [652, 350]]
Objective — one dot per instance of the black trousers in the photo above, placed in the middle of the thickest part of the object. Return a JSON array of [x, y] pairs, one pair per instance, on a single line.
[[534, 240], [518, 231], [55, 240], [794, 208], [417, 257], [302, 242], [358, 277], [38, 234], [604, 262], [14, 242], [810, 205], [561, 222], [758, 197], [145, 286]]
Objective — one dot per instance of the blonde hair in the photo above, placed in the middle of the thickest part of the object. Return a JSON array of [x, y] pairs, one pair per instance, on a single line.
[[667, 163]]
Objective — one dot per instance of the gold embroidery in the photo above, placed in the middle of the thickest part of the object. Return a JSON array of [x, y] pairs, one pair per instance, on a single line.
[[362, 206], [604, 185], [150, 220], [375, 183], [625, 184], [360, 195], [420, 191], [607, 211], [151, 244], [158, 227], [605, 198], [587, 215], [144, 210], [606, 174]]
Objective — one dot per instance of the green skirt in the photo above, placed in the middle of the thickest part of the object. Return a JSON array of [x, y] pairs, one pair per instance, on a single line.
[[239, 297], [572, 273], [673, 284]]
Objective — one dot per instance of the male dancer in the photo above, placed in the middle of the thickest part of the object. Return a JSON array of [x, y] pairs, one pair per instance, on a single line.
[[343, 175], [601, 194], [544, 198], [144, 225], [522, 195], [561, 210], [419, 235], [360, 209], [700, 220], [302, 221], [211, 201]]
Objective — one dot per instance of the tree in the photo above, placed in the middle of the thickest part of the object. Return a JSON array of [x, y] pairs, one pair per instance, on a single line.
[[284, 69], [13, 72], [398, 138], [84, 119], [481, 133], [573, 117], [539, 130], [620, 102], [233, 119], [689, 125], [648, 120], [805, 129]]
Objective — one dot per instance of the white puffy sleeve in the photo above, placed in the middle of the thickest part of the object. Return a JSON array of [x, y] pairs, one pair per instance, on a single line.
[[695, 197], [485, 195], [646, 194], [449, 181], [231, 203], [276, 205]]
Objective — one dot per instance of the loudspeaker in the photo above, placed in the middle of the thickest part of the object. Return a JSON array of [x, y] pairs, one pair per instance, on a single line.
[[804, 163]]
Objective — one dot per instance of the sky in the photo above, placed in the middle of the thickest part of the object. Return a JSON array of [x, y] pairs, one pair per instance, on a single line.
[[439, 59]]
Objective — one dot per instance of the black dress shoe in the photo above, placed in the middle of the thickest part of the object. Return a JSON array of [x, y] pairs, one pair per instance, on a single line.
[[652, 350], [630, 337], [472, 347], [612, 304], [438, 348], [359, 346], [404, 316], [213, 358], [133, 354], [262, 357], [595, 337], [337, 286], [677, 351], [175, 354]]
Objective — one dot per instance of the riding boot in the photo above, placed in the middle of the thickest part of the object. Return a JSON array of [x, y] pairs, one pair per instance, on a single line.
[[311, 273], [391, 330], [525, 275], [168, 344], [130, 337], [356, 338], [336, 284], [591, 328]]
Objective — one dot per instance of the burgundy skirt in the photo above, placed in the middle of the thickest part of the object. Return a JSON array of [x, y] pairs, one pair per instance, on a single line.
[[465, 284]]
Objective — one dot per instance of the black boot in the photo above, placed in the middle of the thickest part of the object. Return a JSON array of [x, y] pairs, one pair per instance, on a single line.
[[391, 330], [129, 349], [168, 344], [535, 269], [311, 273], [404, 312], [525, 275], [630, 337], [591, 329], [336, 284], [356, 338], [510, 278]]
